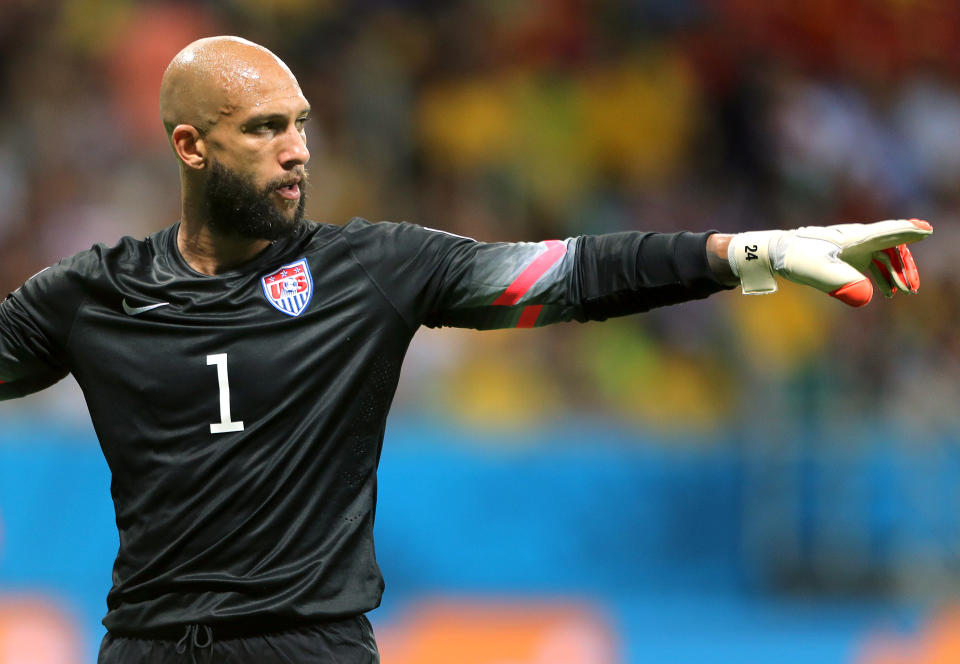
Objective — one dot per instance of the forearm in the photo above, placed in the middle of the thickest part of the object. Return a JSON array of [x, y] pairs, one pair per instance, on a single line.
[[624, 273]]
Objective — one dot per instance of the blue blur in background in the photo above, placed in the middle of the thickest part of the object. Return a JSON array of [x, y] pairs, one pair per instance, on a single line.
[[658, 536]]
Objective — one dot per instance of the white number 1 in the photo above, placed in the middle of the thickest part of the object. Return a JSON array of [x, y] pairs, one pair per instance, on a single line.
[[224, 425]]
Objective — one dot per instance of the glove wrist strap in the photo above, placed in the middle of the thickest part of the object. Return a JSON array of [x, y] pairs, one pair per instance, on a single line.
[[749, 256]]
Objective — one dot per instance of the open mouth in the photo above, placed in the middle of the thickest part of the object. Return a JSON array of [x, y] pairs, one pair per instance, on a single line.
[[289, 191]]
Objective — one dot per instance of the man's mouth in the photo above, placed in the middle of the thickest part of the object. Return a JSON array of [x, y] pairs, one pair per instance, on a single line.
[[290, 191]]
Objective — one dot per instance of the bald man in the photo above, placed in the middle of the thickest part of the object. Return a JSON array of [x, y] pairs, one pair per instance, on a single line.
[[239, 365], [235, 117]]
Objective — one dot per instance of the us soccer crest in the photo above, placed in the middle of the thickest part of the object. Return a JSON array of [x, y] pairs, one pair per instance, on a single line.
[[290, 288]]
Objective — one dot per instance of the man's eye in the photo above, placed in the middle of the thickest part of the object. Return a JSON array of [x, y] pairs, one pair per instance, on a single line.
[[262, 128], [302, 121]]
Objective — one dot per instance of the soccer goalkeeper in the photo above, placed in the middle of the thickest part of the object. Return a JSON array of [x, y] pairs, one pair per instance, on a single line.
[[238, 365]]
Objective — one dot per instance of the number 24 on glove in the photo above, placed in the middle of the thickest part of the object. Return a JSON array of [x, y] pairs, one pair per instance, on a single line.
[[834, 259]]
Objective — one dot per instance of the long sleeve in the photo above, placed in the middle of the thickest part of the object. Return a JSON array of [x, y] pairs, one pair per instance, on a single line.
[[437, 279]]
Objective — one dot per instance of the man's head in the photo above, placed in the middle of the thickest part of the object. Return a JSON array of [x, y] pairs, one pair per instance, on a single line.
[[235, 117]]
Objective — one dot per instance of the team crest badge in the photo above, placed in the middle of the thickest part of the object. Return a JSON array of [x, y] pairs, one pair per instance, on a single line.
[[290, 288]]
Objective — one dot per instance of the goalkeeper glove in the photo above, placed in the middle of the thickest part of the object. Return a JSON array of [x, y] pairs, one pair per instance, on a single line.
[[833, 259]]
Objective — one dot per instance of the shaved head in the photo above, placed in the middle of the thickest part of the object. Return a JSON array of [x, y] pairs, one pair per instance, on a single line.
[[218, 76], [235, 116]]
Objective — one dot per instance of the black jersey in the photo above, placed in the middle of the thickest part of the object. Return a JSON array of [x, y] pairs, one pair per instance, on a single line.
[[242, 415]]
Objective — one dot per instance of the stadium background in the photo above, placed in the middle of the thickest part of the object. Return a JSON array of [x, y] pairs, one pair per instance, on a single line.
[[737, 480]]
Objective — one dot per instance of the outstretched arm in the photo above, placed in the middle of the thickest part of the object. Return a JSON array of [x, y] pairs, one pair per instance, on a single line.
[[592, 277], [611, 275], [438, 279]]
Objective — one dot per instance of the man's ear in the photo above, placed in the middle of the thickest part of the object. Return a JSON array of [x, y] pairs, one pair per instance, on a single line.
[[189, 145]]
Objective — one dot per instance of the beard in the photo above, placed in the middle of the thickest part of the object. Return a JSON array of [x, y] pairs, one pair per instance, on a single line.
[[237, 207]]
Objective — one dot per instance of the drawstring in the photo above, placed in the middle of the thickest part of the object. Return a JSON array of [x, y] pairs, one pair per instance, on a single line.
[[191, 640]]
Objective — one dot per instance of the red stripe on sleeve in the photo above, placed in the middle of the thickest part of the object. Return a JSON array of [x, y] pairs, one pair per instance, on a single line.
[[555, 251], [529, 316]]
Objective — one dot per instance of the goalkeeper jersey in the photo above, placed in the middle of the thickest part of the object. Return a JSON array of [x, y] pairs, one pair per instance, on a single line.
[[242, 415]]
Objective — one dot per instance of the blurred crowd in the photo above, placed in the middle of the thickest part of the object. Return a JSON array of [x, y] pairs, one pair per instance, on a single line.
[[539, 119]]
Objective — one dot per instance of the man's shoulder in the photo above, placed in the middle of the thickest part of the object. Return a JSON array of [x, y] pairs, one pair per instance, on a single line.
[[359, 229], [359, 225], [356, 232], [126, 254], [99, 263]]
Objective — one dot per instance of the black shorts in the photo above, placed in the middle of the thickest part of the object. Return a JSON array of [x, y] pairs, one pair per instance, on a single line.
[[348, 641]]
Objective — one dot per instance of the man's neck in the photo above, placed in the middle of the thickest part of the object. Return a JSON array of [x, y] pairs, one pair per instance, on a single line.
[[210, 253]]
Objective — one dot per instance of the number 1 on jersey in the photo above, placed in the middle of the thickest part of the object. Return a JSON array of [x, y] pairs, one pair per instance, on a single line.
[[225, 425]]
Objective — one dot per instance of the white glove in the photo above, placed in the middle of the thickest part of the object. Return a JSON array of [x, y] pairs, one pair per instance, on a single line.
[[834, 259]]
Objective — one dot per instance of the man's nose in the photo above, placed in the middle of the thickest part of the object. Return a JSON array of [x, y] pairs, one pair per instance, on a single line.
[[294, 151]]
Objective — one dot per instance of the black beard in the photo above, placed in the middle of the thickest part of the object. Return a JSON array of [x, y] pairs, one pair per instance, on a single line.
[[236, 207]]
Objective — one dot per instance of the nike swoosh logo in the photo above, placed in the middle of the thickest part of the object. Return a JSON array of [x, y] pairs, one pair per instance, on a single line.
[[136, 311]]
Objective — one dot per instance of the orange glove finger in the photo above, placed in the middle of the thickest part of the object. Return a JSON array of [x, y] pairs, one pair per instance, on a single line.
[[910, 270], [902, 267]]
